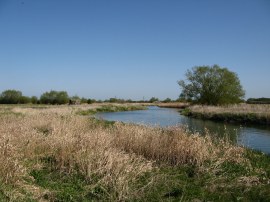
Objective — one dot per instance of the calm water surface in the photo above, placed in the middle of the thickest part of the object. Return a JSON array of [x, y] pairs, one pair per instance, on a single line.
[[256, 137]]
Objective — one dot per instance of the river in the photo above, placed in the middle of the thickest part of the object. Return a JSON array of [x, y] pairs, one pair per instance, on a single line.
[[252, 136]]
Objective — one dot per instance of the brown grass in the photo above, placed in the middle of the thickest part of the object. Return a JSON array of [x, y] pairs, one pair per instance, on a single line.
[[261, 110], [179, 105], [117, 154]]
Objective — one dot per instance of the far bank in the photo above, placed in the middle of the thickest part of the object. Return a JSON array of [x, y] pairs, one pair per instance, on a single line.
[[240, 113]]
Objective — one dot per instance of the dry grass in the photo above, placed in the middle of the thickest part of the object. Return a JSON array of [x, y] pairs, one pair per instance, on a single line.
[[179, 105], [241, 113], [118, 155], [258, 109], [72, 144]]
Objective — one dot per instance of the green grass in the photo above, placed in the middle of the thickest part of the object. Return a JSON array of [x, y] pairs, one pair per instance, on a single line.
[[61, 186], [165, 183]]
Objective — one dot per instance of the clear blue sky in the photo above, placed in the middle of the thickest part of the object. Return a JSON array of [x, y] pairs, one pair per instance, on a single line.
[[130, 48]]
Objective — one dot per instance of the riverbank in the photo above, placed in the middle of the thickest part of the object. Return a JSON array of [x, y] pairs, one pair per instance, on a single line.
[[111, 108], [55, 154], [179, 105], [241, 113]]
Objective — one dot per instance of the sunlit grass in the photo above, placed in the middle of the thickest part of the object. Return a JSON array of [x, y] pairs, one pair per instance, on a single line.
[[247, 113], [55, 154]]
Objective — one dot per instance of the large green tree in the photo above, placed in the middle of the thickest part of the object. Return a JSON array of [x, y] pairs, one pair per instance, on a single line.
[[212, 85]]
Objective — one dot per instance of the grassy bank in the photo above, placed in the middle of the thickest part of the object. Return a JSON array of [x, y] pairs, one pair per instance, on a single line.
[[242, 113], [180, 105], [54, 154], [111, 108]]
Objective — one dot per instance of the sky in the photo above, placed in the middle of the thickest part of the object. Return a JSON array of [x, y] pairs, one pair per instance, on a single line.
[[130, 49]]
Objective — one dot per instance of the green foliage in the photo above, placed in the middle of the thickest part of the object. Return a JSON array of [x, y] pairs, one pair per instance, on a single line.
[[258, 101], [34, 100], [11, 97], [91, 101], [54, 97], [115, 100], [211, 85], [83, 100], [153, 99], [25, 100], [167, 100]]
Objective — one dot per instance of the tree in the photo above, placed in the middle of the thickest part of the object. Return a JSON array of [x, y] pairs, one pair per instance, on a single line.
[[25, 100], [34, 100], [54, 97], [167, 100], [211, 85], [10, 97], [153, 99]]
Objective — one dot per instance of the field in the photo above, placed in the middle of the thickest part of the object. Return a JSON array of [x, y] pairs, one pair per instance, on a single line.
[[54, 153], [242, 113]]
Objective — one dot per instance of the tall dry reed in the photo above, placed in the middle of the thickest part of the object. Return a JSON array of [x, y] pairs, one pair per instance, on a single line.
[[117, 155], [72, 144], [261, 110], [175, 146]]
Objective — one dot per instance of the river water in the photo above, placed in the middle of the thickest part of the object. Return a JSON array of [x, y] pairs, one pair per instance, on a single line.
[[253, 136]]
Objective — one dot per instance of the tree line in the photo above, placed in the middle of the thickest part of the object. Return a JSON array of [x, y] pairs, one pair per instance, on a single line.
[[208, 85], [262, 100], [61, 97], [52, 97]]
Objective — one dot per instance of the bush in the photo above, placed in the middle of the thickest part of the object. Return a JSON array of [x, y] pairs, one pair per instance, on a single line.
[[54, 97], [12, 97]]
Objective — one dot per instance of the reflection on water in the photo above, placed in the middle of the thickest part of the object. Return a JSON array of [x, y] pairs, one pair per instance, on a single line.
[[256, 137]]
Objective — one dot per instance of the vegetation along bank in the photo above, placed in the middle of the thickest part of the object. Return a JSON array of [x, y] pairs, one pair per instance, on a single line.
[[54, 154], [239, 113]]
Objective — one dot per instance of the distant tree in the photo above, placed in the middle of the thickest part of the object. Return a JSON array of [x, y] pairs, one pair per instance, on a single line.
[[75, 97], [211, 85], [83, 100], [54, 97], [10, 97], [25, 100], [91, 101], [167, 100], [34, 100], [153, 99], [258, 100]]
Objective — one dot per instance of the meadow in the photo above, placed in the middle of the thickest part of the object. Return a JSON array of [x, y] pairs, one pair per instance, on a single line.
[[55, 153]]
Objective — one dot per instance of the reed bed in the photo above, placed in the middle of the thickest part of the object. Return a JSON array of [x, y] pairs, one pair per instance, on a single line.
[[69, 144], [179, 105], [111, 158], [249, 113], [260, 109]]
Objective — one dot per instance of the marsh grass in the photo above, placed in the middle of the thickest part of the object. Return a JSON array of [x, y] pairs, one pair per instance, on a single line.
[[243, 113], [53, 154], [179, 105]]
